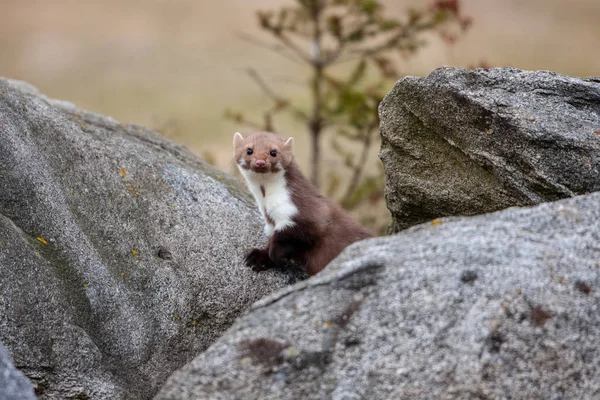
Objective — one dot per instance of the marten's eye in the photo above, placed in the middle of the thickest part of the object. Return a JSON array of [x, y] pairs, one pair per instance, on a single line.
[[273, 153], [249, 152]]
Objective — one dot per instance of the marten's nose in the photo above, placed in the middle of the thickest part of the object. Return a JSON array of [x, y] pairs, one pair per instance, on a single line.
[[260, 163]]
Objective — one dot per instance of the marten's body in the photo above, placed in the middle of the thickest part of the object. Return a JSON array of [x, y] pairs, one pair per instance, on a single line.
[[304, 228]]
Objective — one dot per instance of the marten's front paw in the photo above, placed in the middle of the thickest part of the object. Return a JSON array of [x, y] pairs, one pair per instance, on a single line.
[[259, 260]]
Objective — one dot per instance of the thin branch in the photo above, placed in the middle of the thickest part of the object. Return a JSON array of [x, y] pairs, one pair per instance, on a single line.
[[332, 57], [360, 165], [289, 79], [315, 122], [388, 44], [277, 48], [278, 100], [299, 34], [275, 77], [263, 85], [297, 50], [243, 121]]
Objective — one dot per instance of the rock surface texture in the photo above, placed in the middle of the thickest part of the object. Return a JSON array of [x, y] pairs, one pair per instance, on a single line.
[[120, 252], [13, 384], [498, 306], [463, 142]]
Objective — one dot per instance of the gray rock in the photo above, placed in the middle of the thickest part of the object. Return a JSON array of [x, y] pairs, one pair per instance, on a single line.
[[120, 252], [498, 306], [13, 384], [461, 142]]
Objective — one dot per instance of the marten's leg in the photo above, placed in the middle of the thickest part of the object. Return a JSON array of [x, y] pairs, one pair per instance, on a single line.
[[290, 247], [259, 260], [278, 254], [284, 253]]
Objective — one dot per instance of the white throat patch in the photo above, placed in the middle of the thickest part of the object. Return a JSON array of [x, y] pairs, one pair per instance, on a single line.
[[276, 201]]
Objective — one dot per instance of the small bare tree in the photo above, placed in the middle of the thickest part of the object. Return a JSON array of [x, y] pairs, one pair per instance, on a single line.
[[325, 33]]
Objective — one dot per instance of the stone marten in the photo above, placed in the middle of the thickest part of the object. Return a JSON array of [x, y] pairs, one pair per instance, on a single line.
[[304, 228]]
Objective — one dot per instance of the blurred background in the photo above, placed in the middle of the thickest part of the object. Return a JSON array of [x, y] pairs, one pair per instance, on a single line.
[[177, 65]]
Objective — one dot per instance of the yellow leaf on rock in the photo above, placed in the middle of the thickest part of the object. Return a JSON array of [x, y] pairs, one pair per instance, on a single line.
[[436, 222], [134, 252], [123, 172], [41, 239]]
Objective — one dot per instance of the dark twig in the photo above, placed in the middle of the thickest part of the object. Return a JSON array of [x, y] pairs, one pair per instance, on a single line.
[[239, 118], [392, 42], [316, 121], [277, 48], [280, 102], [292, 46], [254, 75], [359, 167]]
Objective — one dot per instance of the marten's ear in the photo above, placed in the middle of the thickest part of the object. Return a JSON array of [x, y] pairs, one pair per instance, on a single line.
[[237, 137], [289, 143]]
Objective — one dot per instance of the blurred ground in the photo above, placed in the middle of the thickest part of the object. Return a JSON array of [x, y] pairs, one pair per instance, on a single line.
[[176, 65]]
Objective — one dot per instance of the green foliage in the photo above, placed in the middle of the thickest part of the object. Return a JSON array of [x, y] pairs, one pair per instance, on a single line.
[[359, 34]]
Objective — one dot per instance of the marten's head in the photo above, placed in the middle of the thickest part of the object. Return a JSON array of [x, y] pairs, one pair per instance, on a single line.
[[262, 152]]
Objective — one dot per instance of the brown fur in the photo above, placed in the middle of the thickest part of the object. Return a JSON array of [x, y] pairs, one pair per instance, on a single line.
[[322, 228], [332, 228]]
